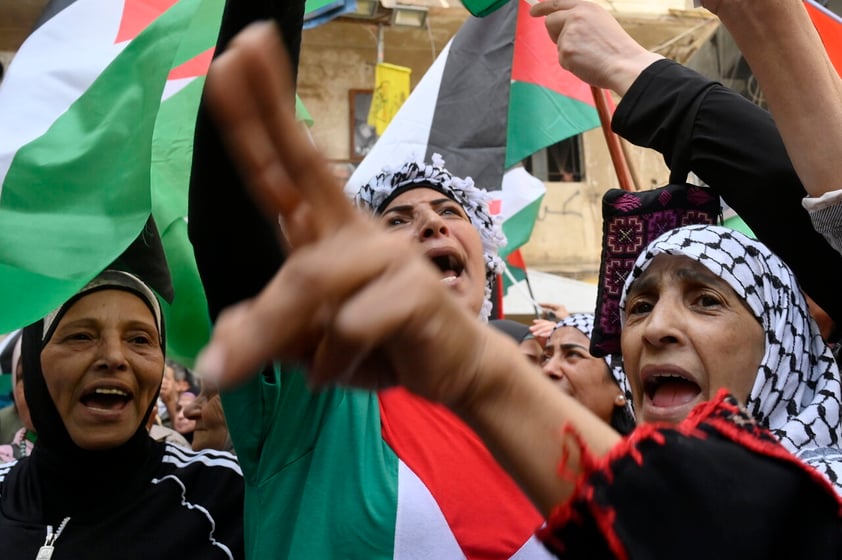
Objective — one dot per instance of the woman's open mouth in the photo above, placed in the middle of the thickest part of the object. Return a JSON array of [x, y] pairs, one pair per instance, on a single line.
[[106, 399], [669, 397], [450, 265]]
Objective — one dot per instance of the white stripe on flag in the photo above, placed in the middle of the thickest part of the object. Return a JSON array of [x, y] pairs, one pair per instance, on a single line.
[[520, 189], [46, 77], [174, 86], [409, 130]]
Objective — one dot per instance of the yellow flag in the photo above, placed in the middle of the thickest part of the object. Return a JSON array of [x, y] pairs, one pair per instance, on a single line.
[[390, 91]]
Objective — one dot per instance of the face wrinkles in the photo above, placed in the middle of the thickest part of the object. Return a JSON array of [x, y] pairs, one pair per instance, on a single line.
[[103, 366], [446, 236], [686, 335]]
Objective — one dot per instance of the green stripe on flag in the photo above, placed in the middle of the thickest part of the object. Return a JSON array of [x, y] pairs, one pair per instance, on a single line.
[[77, 196], [480, 8], [540, 117], [187, 318], [518, 227]]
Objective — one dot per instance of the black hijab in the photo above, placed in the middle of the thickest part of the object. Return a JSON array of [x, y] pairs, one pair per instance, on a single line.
[[65, 479]]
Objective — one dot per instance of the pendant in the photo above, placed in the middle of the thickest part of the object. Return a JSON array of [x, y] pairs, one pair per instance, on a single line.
[[45, 552]]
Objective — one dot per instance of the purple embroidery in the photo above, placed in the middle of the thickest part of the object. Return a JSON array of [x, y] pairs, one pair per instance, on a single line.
[[625, 234], [626, 203], [660, 222], [630, 221]]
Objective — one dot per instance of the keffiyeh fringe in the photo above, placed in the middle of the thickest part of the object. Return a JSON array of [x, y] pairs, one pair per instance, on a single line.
[[413, 173]]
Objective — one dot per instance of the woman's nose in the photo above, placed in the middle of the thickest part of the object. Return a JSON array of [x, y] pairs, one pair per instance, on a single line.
[[552, 370], [112, 352], [662, 323], [432, 225]]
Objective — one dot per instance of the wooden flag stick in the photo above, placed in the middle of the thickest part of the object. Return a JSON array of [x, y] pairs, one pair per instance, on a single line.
[[618, 157]]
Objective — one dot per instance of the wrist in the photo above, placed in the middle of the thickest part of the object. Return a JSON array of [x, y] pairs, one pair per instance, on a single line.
[[629, 69]]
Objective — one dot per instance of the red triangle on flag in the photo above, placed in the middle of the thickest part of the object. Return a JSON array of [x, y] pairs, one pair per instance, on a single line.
[[535, 59], [829, 27], [138, 14], [196, 66], [515, 259]]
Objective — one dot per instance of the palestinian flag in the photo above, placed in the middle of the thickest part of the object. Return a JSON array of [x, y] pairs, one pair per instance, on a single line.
[[494, 96], [96, 125]]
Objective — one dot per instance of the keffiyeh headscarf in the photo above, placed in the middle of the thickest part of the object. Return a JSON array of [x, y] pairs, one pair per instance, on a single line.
[[584, 323], [797, 392], [415, 173]]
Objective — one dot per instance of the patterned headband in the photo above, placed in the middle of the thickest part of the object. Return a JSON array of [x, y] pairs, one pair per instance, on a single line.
[[115, 279], [415, 173], [797, 391]]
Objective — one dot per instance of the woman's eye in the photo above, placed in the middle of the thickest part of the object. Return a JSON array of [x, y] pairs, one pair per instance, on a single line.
[[140, 339], [707, 300], [79, 336], [452, 211], [639, 307], [392, 222]]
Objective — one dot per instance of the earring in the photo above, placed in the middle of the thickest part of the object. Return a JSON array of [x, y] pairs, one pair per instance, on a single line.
[[620, 400]]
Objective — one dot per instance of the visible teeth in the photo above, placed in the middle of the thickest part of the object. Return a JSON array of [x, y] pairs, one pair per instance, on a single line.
[[110, 391], [448, 279]]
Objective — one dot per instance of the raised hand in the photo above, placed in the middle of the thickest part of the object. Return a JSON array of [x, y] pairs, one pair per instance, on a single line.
[[359, 306], [592, 44]]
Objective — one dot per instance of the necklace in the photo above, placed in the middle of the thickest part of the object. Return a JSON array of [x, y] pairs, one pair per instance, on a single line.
[[46, 551]]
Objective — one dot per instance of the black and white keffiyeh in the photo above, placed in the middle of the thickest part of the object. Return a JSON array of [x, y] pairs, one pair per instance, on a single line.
[[797, 392], [584, 323], [414, 173]]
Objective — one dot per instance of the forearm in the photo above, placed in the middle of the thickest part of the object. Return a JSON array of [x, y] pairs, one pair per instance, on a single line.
[[801, 87], [521, 417]]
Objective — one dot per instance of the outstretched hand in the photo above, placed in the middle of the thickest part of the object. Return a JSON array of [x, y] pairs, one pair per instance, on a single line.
[[357, 305]]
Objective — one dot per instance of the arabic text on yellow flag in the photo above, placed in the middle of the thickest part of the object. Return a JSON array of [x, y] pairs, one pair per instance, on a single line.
[[390, 91]]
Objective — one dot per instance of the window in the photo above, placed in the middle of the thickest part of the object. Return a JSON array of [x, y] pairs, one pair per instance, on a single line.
[[561, 162], [363, 136]]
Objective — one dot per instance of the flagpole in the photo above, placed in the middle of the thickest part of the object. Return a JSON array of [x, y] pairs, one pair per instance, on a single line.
[[618, 158], [528, 295]]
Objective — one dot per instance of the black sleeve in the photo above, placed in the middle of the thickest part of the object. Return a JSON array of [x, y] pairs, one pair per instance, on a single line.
[[236, 249], [724, 489], [734, 146]]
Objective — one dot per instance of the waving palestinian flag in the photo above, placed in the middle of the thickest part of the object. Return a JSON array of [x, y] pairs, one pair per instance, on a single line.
[[96, 124], [495, 95]]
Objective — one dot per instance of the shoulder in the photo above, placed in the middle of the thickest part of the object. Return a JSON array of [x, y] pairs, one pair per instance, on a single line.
[[163, 434]]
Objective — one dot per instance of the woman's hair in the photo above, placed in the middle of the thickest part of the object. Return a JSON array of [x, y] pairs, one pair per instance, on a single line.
[[796, 392]]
